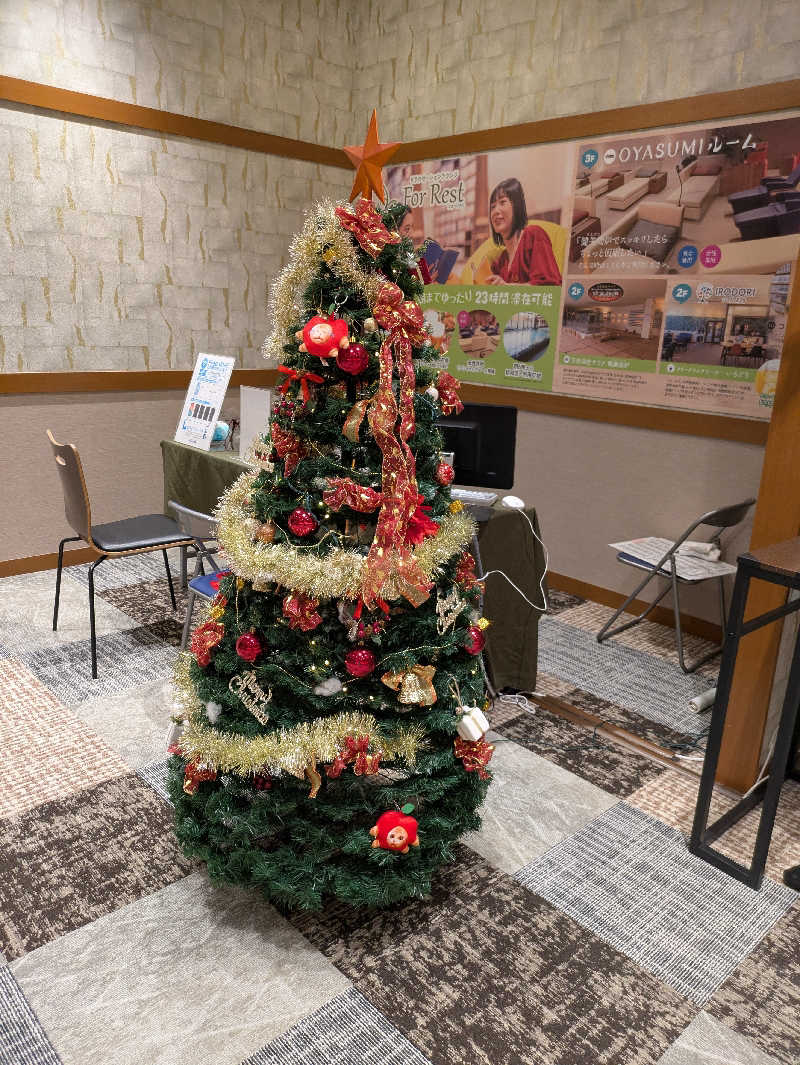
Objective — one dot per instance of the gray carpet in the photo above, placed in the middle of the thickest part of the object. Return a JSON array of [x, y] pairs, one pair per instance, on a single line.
[[630, 880], [652, 687]]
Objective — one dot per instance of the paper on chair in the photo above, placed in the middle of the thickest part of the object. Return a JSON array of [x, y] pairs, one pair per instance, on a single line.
[[648, 550]]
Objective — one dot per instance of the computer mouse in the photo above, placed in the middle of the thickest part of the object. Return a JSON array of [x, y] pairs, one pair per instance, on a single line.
[[514, 502]]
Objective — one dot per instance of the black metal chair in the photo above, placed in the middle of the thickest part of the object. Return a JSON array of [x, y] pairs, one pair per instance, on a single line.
[[114, 539], [722, 518]]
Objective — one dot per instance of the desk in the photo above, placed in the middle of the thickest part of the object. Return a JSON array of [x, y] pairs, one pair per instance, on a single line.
[[198, 478]]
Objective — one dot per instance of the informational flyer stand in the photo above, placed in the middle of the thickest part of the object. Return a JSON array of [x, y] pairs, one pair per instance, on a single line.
[[204, 400]]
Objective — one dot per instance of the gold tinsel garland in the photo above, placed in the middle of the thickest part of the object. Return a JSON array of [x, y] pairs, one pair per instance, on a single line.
[[321, 231], [339, 573], [289, 750]]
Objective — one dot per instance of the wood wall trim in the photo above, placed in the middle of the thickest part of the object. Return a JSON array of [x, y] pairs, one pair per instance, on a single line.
[[102, 109], [778, 96], [662, 615], [777, 518], [756, 99], [716, 426], [33, 563], [18, 384]]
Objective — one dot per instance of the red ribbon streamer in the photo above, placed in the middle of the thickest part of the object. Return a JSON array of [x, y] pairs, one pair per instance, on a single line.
[[390, 554], [367, 227], [303, 378], [447, 387]]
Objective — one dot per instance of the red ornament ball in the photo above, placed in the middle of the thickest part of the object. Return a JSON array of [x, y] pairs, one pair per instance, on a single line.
[[301, 523], [359, 662], [445, 473], [475, 641], [248, 646], [324, 336], [395, 831], [353, 359]]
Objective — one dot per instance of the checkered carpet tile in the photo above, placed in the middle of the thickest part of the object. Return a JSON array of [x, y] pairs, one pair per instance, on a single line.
[[573, 929], [629, 879], [654, 688], [22, 1039]]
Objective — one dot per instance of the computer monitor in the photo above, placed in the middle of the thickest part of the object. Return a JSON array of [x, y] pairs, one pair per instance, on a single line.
[[483, 439]]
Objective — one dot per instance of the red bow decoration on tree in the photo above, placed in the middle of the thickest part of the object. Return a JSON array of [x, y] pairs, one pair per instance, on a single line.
[[301, 610], [465, 571], [367, 227], [389, 554], [475, 754], [342, 492], [288, 446], [447, 387], [356, 751], [303, 378]]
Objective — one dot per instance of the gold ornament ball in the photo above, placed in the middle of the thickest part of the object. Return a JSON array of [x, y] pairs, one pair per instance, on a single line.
[[483, 624], [370, 325], [266, 532], [456, 506]]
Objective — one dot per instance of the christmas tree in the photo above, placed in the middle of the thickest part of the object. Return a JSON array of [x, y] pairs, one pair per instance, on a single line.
[[332, 728]]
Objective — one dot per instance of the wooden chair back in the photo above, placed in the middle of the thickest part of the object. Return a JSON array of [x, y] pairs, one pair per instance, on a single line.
[[73, 485]]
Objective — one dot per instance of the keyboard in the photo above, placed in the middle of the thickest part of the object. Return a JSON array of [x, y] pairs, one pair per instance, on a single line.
[[474, 497]]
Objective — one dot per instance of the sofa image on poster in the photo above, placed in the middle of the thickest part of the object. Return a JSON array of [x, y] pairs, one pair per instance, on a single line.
[[722, 199]]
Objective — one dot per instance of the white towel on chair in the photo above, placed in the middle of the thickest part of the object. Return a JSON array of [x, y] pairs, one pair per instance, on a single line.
[[700, 549]]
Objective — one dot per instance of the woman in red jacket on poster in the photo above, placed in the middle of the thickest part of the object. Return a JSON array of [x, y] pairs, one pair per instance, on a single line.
[[527, 258]]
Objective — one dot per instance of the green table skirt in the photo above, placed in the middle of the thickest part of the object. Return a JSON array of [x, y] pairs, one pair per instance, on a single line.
[[196, 478], [506, 543]]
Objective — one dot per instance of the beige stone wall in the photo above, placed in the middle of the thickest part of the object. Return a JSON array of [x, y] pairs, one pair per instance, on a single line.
[[129, 251], [437, 67], [279, 66]]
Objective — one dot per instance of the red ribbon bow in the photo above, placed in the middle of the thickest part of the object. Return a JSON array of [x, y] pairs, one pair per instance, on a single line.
[[342, 492], [287, 446], [303, 378], [475, 755], [447, 387], [301, 611], [367, 227]]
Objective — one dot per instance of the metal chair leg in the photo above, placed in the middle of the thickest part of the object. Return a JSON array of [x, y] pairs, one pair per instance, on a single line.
[[169, 580], [92, 629], [607, 632], [188, 622], [679, 631], [66, 540]]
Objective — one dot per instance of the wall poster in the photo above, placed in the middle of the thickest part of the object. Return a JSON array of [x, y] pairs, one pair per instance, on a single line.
[[652, 268]]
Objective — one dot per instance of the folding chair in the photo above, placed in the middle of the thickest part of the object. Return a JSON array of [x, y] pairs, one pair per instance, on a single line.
[[723, 518], [202, 529]]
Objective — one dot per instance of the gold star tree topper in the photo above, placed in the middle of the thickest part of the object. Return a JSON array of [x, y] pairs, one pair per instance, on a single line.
[[368, 159]]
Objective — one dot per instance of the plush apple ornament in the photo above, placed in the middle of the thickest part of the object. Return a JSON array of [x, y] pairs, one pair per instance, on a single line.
[[395, 831], [323, 336]]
